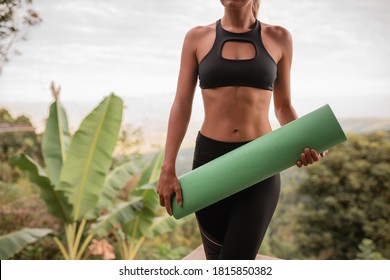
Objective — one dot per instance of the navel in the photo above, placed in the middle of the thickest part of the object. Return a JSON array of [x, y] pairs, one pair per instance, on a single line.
[[235, 130]]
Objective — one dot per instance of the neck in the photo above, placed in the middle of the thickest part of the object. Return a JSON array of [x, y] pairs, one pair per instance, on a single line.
[[238, 20]]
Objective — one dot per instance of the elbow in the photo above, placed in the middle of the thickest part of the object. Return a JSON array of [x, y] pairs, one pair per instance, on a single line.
[[285, 113]]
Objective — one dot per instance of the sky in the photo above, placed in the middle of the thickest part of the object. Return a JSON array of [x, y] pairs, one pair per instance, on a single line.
[[95, 47]]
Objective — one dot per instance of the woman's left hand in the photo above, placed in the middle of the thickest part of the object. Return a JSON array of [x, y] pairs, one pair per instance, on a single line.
[[309, 156]]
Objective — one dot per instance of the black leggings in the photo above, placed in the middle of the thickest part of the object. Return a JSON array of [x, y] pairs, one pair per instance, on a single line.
[[234, 227]]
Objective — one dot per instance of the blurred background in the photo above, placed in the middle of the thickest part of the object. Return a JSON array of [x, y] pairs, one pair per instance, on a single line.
[[132, 48]]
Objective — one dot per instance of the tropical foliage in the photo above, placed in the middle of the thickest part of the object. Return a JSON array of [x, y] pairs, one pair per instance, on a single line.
[[12, 243], [11, 144], [133, 222], [346, 201], [339, 207], [76, 168], [79, 188]]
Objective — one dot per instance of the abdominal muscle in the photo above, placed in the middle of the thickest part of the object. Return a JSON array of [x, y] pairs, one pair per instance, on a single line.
[[236, 114]]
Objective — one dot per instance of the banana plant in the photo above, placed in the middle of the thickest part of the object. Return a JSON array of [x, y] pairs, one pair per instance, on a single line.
[[76, 168], [140, 218], [14, 242]]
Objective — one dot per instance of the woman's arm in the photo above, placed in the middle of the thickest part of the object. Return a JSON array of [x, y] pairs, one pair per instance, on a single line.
[[284, 110], [178, 122]]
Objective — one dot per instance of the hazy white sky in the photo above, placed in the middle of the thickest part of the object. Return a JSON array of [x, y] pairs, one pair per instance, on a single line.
[[94, 47]]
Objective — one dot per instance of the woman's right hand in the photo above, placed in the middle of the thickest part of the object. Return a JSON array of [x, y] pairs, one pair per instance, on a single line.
[[166, 186]]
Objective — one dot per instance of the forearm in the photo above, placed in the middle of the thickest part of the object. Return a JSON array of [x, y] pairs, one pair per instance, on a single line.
[[177, 126]]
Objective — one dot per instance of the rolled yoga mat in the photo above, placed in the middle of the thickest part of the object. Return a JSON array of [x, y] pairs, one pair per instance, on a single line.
[[257, 160]]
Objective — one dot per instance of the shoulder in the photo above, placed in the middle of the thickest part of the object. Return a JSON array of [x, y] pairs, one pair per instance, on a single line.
[[200, 32], [197, 37], [277, 33]]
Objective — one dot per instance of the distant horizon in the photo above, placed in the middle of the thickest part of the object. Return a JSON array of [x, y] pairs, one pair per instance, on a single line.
[[154, 125], [78, 109]]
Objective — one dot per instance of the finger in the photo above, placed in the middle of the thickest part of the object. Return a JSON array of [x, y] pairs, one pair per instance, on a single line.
[[179, 198], [308, 156], [303, 159], [299, 163], [314, 155], [168, 205], [161, 198]]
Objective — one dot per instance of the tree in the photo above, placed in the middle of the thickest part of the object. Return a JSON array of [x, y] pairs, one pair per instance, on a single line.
[[17, 135], [16, 16], [346, 201]]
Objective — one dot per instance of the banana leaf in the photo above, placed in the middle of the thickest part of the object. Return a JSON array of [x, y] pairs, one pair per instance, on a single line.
[[90, 156], [143, 219], [136, 218], [55, 142], [152, 172], [146, 191], [148, 195], [55, 201], [14, 242], [122, 215], [139, 225], [161, 225], [115, 182]]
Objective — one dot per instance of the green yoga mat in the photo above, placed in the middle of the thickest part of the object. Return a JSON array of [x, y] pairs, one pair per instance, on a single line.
[[257, 160]]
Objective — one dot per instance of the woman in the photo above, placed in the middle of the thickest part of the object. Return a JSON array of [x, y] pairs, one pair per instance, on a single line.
[[240, 63]]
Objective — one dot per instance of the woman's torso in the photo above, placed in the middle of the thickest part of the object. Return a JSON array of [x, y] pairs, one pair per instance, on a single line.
[[236, 113]]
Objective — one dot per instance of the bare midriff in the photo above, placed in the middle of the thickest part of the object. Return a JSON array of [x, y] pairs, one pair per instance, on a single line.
[[235, 113]]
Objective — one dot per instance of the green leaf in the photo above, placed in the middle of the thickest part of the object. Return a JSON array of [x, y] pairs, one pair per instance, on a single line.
[[90, 156], [115, 182], [136, 221], [120, 216], [148, 195], [152, 172], [55, 201], [144, 217], [14, 242], [146, 191], [55, 142], [161, 225]]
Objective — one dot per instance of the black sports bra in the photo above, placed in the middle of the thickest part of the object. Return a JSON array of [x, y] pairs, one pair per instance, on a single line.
[[217, 71]]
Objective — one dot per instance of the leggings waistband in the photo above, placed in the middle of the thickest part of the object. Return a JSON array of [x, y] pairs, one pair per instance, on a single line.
[[207, 149], [204, 139]]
